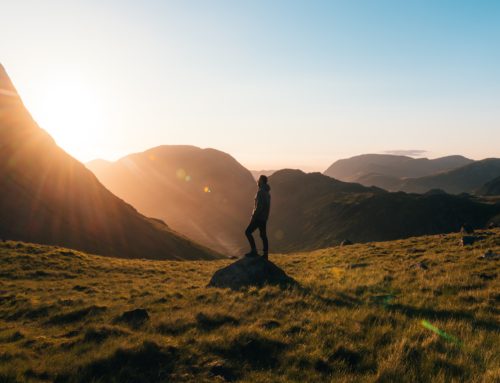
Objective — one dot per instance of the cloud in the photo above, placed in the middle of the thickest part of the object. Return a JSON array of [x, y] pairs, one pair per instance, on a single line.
[[410, 153]]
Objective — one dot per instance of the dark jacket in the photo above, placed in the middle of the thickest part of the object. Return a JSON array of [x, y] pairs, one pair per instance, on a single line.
[[262, 204]]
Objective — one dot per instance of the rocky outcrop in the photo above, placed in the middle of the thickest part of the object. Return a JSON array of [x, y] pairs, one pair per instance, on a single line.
[[250, 271]]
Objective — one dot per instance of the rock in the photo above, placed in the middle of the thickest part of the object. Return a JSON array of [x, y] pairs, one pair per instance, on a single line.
[[250, 271], [490, 255], [468, 240], [134, 318], [420, 265], [346, 242], [466, 229], [492, 225], [487, 277]]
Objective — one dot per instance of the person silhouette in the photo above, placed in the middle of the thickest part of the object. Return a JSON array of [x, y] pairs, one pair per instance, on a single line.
[[259, 219]]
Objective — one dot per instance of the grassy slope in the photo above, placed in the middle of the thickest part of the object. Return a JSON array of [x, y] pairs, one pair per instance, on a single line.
[[356, 317]]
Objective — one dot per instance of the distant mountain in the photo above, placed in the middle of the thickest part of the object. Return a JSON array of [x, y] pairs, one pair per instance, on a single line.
[[313, 211], [380, 180], [466, 179], [203, 193], [490, 188], [48, 197], [384, 170], [98, 164], [257, 173]]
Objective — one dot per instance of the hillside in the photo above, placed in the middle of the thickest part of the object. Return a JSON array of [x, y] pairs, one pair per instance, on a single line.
[[417, 310], [46, 196], [312, 211], [491, 188], [466, 179], [204, 194], [384, 169]]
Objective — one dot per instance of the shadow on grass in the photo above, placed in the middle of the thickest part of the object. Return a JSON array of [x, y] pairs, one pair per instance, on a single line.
[[250, 348], [208, 322], [100, 334], [75, 316], [341, 299], [428, 313], [144, 364]]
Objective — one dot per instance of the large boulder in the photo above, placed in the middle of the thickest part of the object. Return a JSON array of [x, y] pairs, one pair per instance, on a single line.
[[250, 271]]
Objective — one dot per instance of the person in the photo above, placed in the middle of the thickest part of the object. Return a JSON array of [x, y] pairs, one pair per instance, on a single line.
[[259, 219]]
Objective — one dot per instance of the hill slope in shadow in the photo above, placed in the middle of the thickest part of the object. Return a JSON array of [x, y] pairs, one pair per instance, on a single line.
[[313, 211], [491, 188], [465, 179], [203, 193]]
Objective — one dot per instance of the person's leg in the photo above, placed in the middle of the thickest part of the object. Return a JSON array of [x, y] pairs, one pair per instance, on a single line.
[[263, 236], [248, 232]]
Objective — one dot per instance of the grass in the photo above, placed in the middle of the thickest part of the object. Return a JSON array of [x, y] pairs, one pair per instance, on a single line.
[[417, 310]]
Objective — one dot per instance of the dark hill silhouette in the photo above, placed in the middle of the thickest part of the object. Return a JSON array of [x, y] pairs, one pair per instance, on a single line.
[[203, 193], [313, 211], [490, 188], [383, 169], [48, 197], [465, 179], [385, 182]]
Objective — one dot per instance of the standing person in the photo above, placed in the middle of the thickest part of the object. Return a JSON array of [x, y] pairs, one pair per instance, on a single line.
[[259, 218]]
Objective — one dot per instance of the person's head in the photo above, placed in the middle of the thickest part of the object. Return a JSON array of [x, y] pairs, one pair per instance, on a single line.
[[262, 180]]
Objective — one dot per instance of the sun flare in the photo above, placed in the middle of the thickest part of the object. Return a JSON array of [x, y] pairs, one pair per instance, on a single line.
[[69, 109]]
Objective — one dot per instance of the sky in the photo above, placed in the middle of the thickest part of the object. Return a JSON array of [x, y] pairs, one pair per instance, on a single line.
[[276, 84]]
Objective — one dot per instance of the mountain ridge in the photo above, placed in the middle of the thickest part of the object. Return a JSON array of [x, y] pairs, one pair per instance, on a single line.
[[323, 211], [351, 169], [49, 197], [203, 193]]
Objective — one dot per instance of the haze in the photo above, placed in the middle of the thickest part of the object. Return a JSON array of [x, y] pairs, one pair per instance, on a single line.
[[275, 84]]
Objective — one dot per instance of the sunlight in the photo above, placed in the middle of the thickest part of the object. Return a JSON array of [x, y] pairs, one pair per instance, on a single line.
[[70, 110]]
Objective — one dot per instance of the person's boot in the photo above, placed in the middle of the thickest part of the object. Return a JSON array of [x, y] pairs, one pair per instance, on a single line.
[[265, 256]]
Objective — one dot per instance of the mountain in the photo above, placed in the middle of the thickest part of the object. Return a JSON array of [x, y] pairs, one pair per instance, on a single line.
[[257, 173], [203, 193], [313, 211], [490, 188], [452, 174], [46, 196], [465, 179], [387, 169], [98, 164]]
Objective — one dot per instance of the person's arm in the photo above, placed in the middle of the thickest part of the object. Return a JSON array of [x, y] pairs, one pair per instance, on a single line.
[[259, 204]]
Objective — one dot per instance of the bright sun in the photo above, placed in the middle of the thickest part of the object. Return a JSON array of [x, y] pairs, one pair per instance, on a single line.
[[71, 112]]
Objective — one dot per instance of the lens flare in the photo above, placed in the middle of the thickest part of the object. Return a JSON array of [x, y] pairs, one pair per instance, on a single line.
[[387, 300], [441, 333], [181, 174]]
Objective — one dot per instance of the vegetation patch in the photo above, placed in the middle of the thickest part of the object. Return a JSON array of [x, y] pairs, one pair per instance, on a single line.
[[386, 322]]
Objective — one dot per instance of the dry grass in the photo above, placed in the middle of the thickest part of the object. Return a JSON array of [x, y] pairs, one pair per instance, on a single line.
[[356, 316]]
